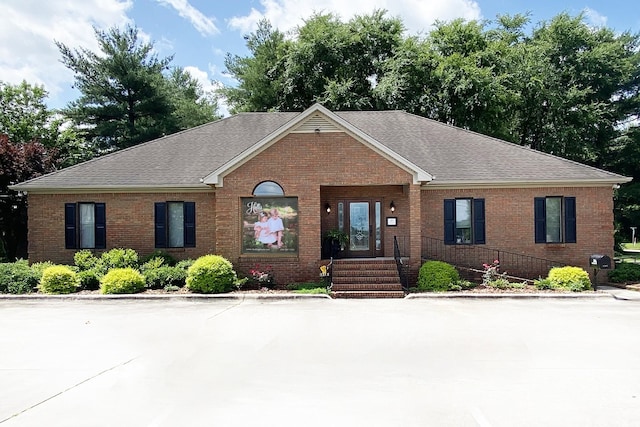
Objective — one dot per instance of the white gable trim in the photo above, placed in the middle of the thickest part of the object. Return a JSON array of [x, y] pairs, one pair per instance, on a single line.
[[216, 177]]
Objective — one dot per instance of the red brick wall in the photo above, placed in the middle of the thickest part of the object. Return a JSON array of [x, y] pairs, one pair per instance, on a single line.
[[130, 223], [317, 169], [510, 221], [304, 165]]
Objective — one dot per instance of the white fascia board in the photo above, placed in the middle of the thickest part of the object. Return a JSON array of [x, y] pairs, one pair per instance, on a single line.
[[119, 189], [456, 185]]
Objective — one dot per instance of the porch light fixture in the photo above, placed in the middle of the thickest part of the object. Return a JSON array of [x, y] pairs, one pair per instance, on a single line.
[[392, 206], [327, 207]]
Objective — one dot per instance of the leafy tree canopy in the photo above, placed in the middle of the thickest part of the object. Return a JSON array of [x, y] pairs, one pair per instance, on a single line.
[[125, 97], [562, 86]]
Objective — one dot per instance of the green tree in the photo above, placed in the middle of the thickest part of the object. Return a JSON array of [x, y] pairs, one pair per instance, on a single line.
[[192, 106], [259, 75], [19, 161], [327, 61], [339, 64], [124, 98], [570, 79], [25, 117]]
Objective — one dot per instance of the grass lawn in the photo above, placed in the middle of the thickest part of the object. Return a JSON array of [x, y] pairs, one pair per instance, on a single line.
[[627, 255], [631, 246]]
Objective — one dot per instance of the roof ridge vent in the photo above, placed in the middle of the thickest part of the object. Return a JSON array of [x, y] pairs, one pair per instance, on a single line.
[[317, 123]]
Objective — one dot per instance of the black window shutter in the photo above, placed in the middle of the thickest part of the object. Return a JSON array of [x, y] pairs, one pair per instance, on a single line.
[[100, 225], [540, 219], [570, 220], [189, 224], [449, 221], [478, 222], [70, 226], [161, 224]]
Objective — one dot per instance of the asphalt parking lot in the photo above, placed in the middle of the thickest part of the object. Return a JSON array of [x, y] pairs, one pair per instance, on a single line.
[[449, 362]]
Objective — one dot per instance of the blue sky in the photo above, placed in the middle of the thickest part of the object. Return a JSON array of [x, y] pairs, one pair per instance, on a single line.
[[200, 32]]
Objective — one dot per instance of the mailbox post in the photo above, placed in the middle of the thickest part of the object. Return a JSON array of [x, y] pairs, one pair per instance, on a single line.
[[599, 262]]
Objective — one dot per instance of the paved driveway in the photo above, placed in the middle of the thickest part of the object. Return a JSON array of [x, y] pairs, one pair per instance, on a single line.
[[320, 363]]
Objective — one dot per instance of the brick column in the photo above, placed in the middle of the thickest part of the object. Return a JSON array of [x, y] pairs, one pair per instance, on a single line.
[[415, 230]]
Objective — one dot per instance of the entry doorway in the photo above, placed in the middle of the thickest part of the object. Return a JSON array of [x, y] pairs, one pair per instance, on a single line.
[[363, 224]]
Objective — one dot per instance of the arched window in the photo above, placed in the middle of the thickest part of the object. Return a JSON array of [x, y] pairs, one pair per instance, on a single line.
[[268, 188]]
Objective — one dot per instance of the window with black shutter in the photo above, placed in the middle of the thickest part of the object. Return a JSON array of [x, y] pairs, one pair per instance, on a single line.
[[85, 225], [555, 219], [175, 224], [464, 221]]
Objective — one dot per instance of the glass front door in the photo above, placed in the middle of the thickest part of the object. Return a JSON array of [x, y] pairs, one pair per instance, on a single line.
[[364, 228]]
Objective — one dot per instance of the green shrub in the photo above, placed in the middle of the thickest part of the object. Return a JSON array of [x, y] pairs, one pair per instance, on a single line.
[[39, 268], [17, 278], [59, 279], [122, 281], [543, 284], [90, 279], [152, 264], [625, 272], [437, 276], [119, 258], [85, 260], [164, 276], [167, 259], [573, 279], [499, 283], [211, 274], [185, 264]]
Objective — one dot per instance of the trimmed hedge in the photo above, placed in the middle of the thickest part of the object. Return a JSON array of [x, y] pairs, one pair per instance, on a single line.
[[573, 279], [17, 278], [119, 258], [211, 274], [437, 276], [122, 281], [163, 276], [167, 259], [625, 272], [59, 279]]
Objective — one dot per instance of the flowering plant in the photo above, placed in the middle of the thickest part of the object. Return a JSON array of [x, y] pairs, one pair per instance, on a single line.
[[492, 272], [263, 276]]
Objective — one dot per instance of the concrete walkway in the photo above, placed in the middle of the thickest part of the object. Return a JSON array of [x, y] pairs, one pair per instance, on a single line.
[[320, 362], [621, 294]]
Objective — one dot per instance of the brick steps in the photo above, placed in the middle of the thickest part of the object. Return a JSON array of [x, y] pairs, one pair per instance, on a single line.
[[367, 278], [367, 294]]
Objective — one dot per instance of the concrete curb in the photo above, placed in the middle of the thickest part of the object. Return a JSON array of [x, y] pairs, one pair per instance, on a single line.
[[470, 295], [161, 297]]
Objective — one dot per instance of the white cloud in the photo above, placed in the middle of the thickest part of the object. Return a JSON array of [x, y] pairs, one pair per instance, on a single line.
[[202, 77], [209, 86], [594, 18], [29, 31], [417, 15], [203, 24]]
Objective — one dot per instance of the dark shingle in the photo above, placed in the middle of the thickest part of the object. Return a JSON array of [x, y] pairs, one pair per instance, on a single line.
[[448, 153]]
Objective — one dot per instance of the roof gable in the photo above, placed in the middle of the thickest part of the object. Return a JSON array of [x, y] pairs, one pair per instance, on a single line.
[[316, 118]]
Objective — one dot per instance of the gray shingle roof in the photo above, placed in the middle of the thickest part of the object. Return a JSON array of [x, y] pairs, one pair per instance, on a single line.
[[456, 155], [450, 154]]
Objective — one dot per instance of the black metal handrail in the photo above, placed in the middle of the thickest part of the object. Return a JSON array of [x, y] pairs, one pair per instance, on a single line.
[[402, 268], [328, 278], [473, 257]]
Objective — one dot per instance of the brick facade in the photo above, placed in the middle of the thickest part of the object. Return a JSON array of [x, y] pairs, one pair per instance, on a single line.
[[317, 169], [320, 168], [130, 223], [509, 220]]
